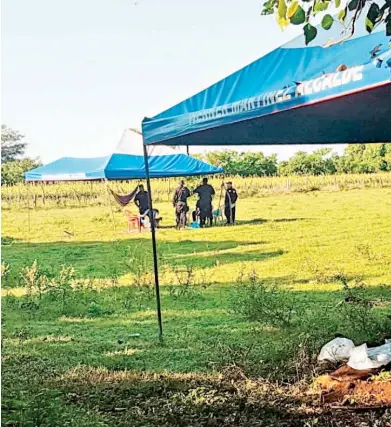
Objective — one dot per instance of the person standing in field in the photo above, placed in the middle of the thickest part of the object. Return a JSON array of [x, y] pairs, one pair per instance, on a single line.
[[142, 200], [181, 194], [231, 196], [205, 193]]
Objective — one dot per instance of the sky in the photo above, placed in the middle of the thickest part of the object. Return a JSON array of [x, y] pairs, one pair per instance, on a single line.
[[76, 73]]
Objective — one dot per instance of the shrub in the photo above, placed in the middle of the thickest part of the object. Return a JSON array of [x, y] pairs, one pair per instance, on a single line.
[[267, 304], [35, 282], [357, 310]]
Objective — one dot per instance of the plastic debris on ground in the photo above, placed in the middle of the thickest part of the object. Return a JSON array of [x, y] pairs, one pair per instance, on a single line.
[[337, 350], [360, 357]]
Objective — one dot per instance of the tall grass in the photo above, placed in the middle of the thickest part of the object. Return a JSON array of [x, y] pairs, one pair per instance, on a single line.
[[95, 193]]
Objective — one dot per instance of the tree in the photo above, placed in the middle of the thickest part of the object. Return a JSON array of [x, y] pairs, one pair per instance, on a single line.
[[320, 162], [13, 144], [244, 164], [302, 12], [13, 172], [365, 158]]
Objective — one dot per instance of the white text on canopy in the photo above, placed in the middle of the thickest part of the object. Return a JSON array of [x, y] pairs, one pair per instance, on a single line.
[[309, 87]]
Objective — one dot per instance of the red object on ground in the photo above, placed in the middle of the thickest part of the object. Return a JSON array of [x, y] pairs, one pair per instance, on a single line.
[[134, 222]]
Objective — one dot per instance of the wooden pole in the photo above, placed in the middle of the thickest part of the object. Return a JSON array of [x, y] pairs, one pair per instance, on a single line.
[[111, 207], [28, 206]]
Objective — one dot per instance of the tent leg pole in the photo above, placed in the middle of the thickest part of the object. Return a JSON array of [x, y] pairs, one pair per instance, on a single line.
[[154, 248]]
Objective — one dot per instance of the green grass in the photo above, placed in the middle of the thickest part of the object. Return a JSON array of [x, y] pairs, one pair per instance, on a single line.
[[79, 362]]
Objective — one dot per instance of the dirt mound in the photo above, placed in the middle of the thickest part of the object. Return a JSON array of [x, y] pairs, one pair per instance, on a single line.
[[357, 393]]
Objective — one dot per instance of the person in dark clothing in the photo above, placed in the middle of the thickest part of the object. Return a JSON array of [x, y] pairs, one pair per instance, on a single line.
[[182, 193], [142, 200], [196, 213], [230, 200], [205, 193]]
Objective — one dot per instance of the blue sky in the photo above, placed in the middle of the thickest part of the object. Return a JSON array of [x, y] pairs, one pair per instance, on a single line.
[[75, 73]]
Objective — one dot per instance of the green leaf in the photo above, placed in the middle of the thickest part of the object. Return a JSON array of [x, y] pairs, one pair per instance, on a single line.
[[321, 6], [356, 4], [374, 15], [368, 25], [342, 15], [388, 25], [299, 17], [310, 33], [268, 7], [327, 22], [292, 8], [337, 3]]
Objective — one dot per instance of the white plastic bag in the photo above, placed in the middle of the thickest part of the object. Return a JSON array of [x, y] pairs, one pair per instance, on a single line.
[[337, 350], [363, 357], [382, 353]]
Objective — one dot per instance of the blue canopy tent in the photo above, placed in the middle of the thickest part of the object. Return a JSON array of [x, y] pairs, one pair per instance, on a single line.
[[122, 166], [293, 95], [327, 92]]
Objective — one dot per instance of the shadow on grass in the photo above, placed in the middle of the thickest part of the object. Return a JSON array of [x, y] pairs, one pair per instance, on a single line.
[[107, 259], [263, 220], [6, 240], [179, 400], [215, 259], [114, 367]]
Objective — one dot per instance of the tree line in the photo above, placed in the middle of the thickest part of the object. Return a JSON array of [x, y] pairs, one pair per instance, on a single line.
[[357, 158]]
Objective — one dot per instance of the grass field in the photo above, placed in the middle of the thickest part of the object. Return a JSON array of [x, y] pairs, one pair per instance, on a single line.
[[85, 352]]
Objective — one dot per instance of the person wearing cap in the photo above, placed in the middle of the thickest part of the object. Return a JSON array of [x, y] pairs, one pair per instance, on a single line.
[[142, 200], [231, 196], [181, 194]]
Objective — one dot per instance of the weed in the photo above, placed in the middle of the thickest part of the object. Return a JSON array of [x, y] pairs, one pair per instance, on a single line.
[[35, 282], [205, 279], [365, 251], [304, 350], [101, 218], [5, 269], [96, 310], [356, 310], [186, 285], [266, 304], [62, 283], [140, 265]]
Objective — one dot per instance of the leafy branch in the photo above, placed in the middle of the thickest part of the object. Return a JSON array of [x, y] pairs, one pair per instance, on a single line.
[[295, 12]]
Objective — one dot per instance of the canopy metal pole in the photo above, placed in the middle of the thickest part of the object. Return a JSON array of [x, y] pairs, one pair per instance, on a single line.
[[154, 249]]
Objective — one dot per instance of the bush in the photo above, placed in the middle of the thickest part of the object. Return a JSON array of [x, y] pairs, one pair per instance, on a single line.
[[13, 172], [358, 313], [269, 305]]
